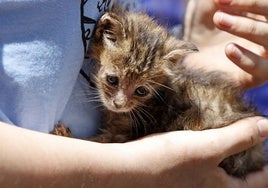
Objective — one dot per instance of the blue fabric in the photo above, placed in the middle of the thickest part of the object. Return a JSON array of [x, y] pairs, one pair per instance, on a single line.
[[259, 96], [168, 13], [41, 53]]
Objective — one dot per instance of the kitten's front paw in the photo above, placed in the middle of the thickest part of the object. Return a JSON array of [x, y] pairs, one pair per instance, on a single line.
[[61, 130]]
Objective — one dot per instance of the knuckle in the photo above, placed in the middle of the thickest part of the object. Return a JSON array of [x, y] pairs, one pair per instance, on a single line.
[[252, 28], [252, 136]]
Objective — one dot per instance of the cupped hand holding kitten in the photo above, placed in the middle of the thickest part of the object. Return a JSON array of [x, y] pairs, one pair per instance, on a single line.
[[196, 155], [176, 159], [243, 39], [191, 158]]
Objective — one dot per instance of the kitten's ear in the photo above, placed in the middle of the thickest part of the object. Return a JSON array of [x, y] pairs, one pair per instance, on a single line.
[[176, 49], [111, 28]]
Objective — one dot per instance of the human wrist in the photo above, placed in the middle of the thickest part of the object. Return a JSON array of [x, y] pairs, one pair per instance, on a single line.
[[126, 165]]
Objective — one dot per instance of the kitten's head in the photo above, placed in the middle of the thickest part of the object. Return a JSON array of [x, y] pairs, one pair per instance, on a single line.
[[136, 57]]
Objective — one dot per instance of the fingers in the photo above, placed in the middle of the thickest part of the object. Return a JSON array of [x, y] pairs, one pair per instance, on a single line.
[[251, 29], [236, 18], [253, 6], [241, 136], [255, 65]]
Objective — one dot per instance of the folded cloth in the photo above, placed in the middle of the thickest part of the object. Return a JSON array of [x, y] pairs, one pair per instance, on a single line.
[[41, 53]]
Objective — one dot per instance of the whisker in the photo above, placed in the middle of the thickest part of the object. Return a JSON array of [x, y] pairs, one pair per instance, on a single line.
[[154, 76], [93, 100], [85, 82], [134, 122], [84, 91], [151, 81], [88, 97], [101, 107], [143, 121], [148, 115], [86, 94], [157, 94]]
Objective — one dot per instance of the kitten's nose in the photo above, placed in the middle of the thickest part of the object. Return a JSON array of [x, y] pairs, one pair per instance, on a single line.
[[119, 103]]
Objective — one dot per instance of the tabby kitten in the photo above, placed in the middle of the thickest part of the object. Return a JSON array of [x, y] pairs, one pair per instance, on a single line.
[[146, 89]]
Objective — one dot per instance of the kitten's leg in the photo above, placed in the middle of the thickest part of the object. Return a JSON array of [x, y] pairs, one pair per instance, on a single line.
[[108, 137], [243, 163], [105, 137], [62, 130], [117, 129], [101, 139]]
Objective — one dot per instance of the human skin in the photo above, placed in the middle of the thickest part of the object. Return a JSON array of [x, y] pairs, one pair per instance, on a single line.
[[243, 38], [174, 159], [247, 19]]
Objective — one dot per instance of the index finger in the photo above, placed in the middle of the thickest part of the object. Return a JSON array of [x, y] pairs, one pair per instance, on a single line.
[[254, 6], [248, 61], [250, 29]]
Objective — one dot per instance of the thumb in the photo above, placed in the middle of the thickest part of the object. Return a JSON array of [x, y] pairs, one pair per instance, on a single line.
[[242, 135]]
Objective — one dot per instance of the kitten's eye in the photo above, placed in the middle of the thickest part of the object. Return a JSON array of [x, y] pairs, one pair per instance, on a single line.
[[141, 91], [110, 36], [112, 80]]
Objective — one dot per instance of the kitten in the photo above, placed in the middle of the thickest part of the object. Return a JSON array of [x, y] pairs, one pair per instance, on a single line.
[[146, 89]]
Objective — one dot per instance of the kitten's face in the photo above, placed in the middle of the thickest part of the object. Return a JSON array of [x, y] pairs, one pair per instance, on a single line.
[[136, 58], [123, 88]]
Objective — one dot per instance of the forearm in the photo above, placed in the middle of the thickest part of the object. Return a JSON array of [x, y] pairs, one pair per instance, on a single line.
[[30, 159]]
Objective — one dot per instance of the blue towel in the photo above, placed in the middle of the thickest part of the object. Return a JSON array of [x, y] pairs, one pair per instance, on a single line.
[[41, 53]]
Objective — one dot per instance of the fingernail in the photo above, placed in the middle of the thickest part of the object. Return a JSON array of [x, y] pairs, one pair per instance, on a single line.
[[224, 19], [234, 52], [263, 127]]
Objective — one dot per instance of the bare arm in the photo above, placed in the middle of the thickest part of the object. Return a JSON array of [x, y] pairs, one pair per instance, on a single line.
[[30, 159]]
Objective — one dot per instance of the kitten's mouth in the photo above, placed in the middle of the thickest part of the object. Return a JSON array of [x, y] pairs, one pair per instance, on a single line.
[[117, 109], [116, 106]]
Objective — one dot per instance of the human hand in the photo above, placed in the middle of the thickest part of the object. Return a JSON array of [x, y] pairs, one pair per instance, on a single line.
[[212, 42], [247, 19], [174, 159], [191, 158]]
